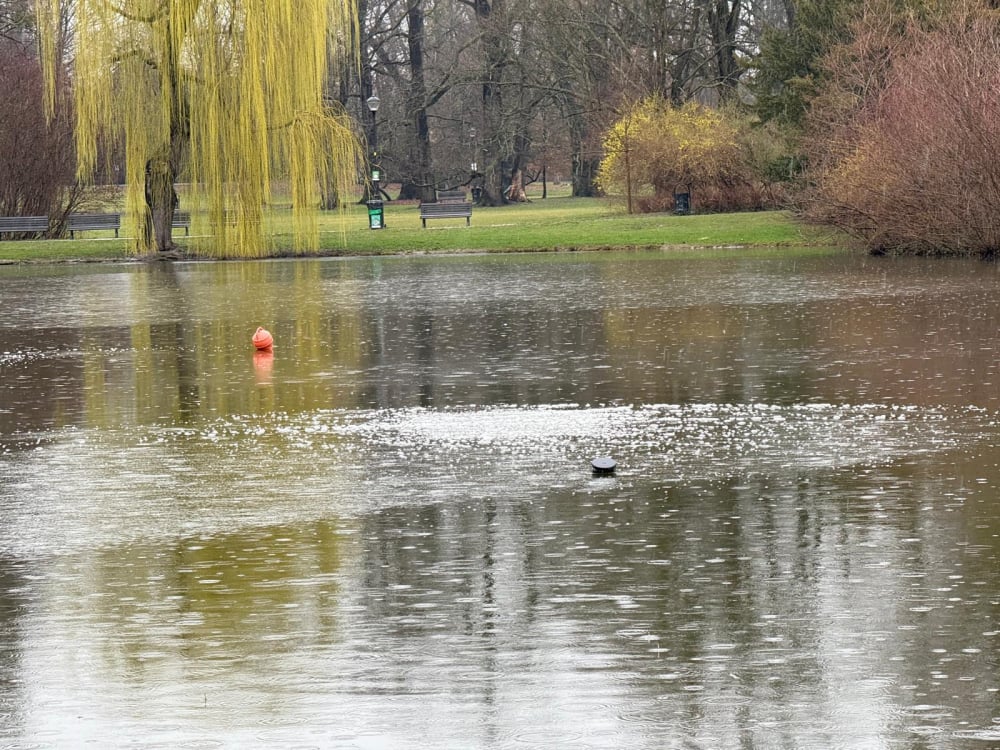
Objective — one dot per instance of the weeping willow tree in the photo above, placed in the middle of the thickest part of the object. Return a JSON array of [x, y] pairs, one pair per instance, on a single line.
[[230, 91]]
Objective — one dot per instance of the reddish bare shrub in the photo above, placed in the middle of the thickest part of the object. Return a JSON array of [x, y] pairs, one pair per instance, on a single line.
[[36, 156], [909, 162]]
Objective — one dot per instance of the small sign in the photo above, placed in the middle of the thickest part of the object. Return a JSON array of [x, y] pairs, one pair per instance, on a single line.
[[375, 175]]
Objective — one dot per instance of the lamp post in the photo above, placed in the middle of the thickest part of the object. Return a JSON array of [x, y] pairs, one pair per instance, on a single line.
[[373, 103], [376, 213], [477, 190]]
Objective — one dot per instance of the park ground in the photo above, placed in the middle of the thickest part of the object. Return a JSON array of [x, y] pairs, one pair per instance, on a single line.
[[559, 223]]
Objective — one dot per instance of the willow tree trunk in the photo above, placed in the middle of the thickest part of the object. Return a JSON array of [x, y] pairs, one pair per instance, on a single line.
[[161, 202], [163, 166]]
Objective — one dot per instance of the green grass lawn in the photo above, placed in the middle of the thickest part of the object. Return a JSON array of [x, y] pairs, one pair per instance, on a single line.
[[560, 223]]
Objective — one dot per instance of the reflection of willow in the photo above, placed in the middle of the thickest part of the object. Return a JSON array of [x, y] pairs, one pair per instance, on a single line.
[[227, 597], [163, 377], [176, 338], [192, 353]]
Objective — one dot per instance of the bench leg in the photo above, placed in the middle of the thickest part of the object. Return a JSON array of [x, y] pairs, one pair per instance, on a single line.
[[424, 222]]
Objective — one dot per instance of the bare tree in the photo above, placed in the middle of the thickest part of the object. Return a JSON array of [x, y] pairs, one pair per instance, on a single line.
[[417, 103], [494, 82]]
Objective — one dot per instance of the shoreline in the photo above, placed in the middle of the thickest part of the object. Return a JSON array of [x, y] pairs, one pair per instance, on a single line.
[[444, 252]]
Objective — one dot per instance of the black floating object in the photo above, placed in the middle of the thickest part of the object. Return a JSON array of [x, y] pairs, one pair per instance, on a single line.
[[604, 465]]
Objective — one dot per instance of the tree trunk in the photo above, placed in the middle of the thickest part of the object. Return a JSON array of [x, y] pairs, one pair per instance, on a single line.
[[585, 165], [724, 21], [329, 196], [494, 59], [680, 68], [418, 100], [410, 191], [161, 201], [163, 166], [515, 193], [790, 13]]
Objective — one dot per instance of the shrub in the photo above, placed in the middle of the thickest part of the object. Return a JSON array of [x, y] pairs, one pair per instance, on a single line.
[[36, 156], [655, 150], [910, 163]]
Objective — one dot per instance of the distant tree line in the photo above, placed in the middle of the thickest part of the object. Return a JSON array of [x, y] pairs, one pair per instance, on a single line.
[[526, 89], [875, 116]]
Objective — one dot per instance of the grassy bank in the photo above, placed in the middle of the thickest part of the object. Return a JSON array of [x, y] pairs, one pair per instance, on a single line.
[[550, 224]]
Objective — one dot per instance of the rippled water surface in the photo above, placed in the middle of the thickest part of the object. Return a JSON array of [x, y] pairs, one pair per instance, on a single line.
[[386, 532]]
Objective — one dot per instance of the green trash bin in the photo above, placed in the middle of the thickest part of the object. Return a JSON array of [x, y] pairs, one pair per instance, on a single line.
[[376, 215]]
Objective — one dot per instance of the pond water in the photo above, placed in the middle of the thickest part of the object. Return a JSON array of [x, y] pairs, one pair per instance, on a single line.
[[386, 532]]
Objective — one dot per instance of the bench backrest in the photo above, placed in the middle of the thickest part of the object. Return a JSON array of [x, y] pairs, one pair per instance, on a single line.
[[95, 221], [24, 223], [456, 209], [451, 196]]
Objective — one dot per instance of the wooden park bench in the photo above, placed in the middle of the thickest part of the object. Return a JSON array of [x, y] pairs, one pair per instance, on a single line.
[[450, 204], [80, 223], [33, 224], [87, 222], [83, 222], [182, 220]]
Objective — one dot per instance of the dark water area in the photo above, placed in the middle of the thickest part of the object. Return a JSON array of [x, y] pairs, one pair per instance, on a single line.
[[385, 533]]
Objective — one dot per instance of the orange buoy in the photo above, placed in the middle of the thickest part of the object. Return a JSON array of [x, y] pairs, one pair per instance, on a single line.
[[262, 339]]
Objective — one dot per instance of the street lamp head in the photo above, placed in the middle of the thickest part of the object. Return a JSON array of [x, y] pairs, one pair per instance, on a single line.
[[373, 102]]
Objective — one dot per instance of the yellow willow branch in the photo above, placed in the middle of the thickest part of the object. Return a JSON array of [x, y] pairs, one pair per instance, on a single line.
[[229, 92], [152, 17]]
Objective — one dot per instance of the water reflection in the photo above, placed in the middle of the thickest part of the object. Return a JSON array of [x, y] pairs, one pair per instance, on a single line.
[[388, 529]]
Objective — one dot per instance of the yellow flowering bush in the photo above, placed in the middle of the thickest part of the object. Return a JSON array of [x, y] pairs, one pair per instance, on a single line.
[[656, 150]]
